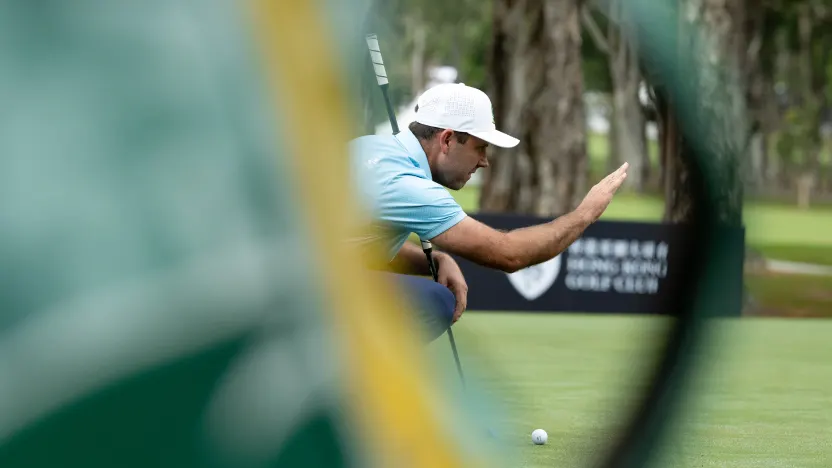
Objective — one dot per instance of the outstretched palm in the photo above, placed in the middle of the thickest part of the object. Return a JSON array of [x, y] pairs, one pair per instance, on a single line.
[[600, 195]]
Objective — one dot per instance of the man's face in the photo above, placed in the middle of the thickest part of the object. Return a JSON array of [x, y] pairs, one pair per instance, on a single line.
[[457, 162]]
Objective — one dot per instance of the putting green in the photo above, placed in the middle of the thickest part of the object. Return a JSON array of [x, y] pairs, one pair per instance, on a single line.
[[761, 399]]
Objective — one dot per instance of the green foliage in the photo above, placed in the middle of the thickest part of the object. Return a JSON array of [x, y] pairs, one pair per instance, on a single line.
[[477, 37], [595, 61], [459, 35]]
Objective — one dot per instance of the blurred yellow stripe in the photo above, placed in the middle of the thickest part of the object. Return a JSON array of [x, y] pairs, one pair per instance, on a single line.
[[396, 404]]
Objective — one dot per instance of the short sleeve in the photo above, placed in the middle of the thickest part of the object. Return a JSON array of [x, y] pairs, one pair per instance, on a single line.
[[419, 205]]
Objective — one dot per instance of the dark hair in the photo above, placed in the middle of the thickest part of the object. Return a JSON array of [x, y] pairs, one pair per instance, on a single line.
[[426, 132]]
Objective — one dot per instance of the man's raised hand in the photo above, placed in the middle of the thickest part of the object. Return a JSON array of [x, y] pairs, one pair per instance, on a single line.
[[600, 196]]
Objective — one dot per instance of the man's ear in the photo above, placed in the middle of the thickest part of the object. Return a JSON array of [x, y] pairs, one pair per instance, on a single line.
[[445, 137]]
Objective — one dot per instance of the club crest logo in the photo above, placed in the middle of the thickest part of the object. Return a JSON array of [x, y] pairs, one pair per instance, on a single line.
[[534, 281]]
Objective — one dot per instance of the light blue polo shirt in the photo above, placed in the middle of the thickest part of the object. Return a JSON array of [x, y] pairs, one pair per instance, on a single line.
[[395, 186]]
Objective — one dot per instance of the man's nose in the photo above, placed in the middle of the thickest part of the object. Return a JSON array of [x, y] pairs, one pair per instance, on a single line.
[[483, 162]]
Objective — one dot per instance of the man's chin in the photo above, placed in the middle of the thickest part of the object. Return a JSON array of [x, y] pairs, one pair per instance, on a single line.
[[454, 185], [457, 186]]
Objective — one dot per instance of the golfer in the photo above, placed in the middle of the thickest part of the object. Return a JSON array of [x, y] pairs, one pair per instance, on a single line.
[[403, 181]]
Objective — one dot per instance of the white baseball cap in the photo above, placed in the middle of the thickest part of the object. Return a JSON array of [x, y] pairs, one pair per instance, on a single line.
[[461, 108]]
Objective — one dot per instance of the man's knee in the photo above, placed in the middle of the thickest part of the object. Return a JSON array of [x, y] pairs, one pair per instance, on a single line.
[[445, 303], [434, 302]]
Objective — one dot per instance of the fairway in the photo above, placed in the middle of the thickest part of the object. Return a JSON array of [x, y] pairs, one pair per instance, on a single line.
[[762, 398]]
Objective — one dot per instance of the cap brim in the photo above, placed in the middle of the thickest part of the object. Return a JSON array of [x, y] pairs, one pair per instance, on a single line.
[[497, 138]]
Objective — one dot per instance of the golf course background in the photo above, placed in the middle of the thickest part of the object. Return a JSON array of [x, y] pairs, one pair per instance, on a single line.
[[775, 230], [760, 397]]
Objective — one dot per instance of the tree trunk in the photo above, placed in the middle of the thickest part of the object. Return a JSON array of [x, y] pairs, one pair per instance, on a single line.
[[768, 120], [759, 93], [720, 49], [629, 143], [418, 32], [661, 116], [612, 139], [756, 173], [537, 90], [628, 117], [647, 163], [805, 130], [679, 203]]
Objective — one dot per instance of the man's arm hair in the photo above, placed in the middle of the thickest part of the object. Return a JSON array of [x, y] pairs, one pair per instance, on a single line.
[[521, 248], [513, 250]]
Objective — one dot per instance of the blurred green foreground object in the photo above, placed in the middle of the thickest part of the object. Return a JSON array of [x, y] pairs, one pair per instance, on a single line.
[[151, 261]]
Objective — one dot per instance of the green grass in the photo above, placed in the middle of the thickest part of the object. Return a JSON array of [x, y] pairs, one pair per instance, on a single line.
[[817, 254], [630, 207], [791, 295], [777, 224], [761, 400], [468, 198], [598, 149]]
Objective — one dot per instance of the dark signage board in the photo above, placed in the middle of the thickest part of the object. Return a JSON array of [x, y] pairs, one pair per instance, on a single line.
[[615, 267]]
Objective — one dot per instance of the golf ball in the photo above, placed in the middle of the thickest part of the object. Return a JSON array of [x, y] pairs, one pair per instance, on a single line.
[[539, 437]]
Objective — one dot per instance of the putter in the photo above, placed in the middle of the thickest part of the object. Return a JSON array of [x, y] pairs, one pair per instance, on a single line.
[[381, 78], [427, 247]]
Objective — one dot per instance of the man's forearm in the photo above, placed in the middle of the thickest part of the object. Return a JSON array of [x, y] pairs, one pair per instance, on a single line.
[[517, 249], [542, 242], [521, 248]]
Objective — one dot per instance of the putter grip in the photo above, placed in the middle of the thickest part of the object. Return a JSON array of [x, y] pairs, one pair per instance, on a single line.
[[427, 247], [378, 62]]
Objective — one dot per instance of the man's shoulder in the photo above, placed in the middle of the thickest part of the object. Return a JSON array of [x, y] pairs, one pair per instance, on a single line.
[[367, 144], [383, 155]]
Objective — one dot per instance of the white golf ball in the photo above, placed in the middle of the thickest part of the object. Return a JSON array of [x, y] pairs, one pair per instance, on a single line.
[[539, 437]]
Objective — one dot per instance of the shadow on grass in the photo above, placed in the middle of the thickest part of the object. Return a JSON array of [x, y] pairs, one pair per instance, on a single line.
[[783, 295]]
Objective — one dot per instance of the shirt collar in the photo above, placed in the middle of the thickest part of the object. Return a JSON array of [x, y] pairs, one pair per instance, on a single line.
[[417, 153]]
